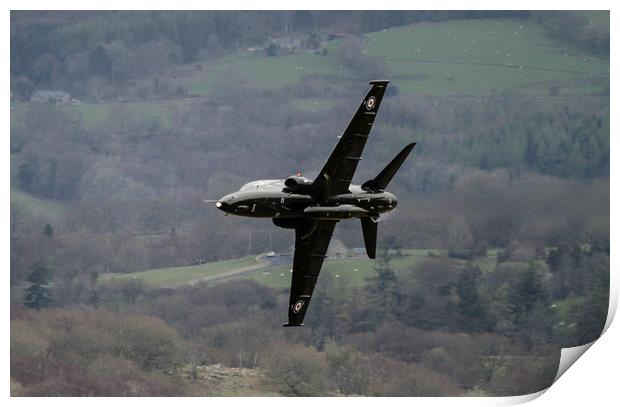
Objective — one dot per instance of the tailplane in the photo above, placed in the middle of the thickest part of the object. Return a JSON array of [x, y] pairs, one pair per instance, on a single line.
[[369, 227], [382, 180]]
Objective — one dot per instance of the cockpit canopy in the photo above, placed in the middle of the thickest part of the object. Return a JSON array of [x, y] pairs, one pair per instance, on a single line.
[[262, 184]]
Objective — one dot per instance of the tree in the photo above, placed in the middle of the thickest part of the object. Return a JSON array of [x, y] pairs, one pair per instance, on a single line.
[[352, 371], [591, 313], [100, 62], [299, 371], [350, 54], [502, 312], [22, 88], [471, 304], [38, 294], [392, 242], [384, 293], [271, 50], [48, 231], [530, 290], [131, 289], [534, 316]]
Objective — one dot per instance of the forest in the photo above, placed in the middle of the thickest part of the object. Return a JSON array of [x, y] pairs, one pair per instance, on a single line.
[[147, 114]]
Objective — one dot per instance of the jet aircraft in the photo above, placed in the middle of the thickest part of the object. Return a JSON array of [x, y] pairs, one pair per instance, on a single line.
[[313, 207]]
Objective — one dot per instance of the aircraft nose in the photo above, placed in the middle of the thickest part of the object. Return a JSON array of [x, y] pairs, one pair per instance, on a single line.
[[223, 206]]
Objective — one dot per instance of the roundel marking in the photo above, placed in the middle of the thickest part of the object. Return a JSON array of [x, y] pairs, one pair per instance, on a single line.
[[298, 306], [370, 103]]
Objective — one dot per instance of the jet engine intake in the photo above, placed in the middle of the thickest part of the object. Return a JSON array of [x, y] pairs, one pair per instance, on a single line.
[[298, 185]]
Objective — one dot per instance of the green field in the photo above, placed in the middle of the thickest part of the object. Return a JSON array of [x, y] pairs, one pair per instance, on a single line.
[[90, 115], [482, 56], [49, 208], [93, 114], [355, 269], [312, 104], [265, 72], [458, 57], [178, 275]]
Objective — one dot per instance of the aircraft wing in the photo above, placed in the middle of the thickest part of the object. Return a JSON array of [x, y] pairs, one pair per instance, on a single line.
[[311, 242], [337, 173]]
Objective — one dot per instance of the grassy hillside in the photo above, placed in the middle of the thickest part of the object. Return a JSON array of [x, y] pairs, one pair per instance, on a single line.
[[91, 115], [95, 113], [460, 57], [266, 72], [482, 56], [457, 57], [48, 208]]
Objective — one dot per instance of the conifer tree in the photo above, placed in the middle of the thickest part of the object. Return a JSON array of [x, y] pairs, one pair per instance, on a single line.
[[385, 296], [38, 294], [471, 304], [48, 231]]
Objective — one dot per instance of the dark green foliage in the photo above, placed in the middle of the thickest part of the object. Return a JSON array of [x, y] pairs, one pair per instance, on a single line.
[[530, 291], [335, 313], [391, 242], [384, 295], [574, 270], [592, 312], [48, 230], [566, 143], [22, 88], [100, 63], [47, 168], [131, 290], [525, 375], [577, 28], [472, 306], [531, 304], [38, 294], [271, 50]]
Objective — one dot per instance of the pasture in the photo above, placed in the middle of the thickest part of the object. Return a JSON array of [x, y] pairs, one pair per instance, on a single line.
[[47, 208], [173, 276], [460, 57]]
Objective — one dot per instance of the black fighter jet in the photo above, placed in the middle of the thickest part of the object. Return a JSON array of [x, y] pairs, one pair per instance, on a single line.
[[313, 208]]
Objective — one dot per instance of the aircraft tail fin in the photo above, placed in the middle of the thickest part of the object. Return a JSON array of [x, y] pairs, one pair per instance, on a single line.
[[381, 181], [369, 228]]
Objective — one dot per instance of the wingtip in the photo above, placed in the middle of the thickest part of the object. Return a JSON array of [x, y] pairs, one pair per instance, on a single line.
[[407, 149], [289, 325]]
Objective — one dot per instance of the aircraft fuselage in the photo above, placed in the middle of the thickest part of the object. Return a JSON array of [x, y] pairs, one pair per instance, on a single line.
[[268, 199]]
